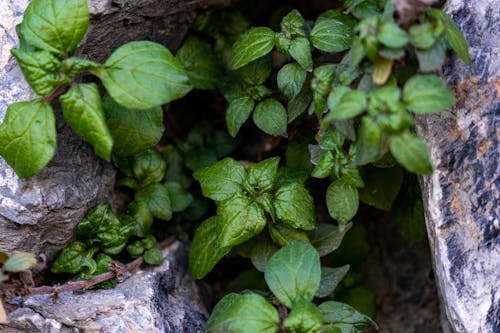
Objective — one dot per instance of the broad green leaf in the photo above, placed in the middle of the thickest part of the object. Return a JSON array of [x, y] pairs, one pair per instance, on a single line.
[[391, 35], [426, 94], [325, 165], [133, 131], [422, 35], [252, 45], [334, 98], [55, 25], [298, 104], [342, 201], [432, 59], [271, 117], [381, 186], [282, 234], [19, 261], [149, 167], [300, 50], [411, 152], [221, 180], [82, 109], [40, 70], [331, 35], [205, 251], [201, 65], [179, 197], [294, 206], [262, 175], [237, 113], [293, 24], [351, 104], [304, 318], [142, 75], [326, 238], [383, 99], [291, 78], [157, 198], [240, 218], [345, 317], [257, 71], [139, 212], [292, 272], [330, 279], [153, 256], [75, 257], [248, 313], [410, 221], [28, 136]]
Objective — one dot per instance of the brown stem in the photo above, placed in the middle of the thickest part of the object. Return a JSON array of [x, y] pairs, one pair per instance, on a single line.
[[56, 92]]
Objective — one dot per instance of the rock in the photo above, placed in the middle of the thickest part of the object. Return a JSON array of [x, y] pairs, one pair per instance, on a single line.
[[161, 299], [462, 197]]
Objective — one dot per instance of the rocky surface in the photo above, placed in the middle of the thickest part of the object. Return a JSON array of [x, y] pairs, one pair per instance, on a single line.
[[462, 197]]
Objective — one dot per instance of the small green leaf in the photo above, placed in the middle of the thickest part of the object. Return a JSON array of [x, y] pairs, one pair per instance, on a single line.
[[293, 24], [326, 238], [330, 279], [139, 212], [237, 113], [257, 71], [82, 109], [300, 50], [282, 234], [271, 117], [19, 261], [149, 167], [432, 59], [334, 98], [149, 241], [345, 317], [55, 25], [331, 35], [263, 175], [298, 104], [248, 313], [426, 94], [253, 44], [102, 266], [205, 251], [304, 318], [325, 165], [369, 142], [153, 256], [221, 180], [351, 104], [75, 257], [28, 136], [157, 198], [342, 201], [294, 271], [391, 35], [179, 197], [135, 249], [142, 75], [73, 66], [294, 206], [381, 186], [411, 152], [422, 35], [261, 249], [291, 78]]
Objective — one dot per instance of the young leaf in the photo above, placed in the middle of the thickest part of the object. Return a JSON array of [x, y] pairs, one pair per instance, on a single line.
[[141, 75], [331, 35], [270, 116], [300, 50], [292, 272], [381, 186], [19, 261], [73, 66], [342, 201], [293, 24], [345, 317], [422, 35], [369, 143], [351, 104], [263, 175], [149, 167], [411, 152], [82, 109], [327, 238], [157, 198], [294, 206], [305, 317], [433, 58], [252, 45], [133, 131], [179, 197], [330, 279], [391, 35], [282, 234], [221, 180], [426, 94], [75, 257], [237, 113], [291, 78], [139, 212], [205, 251], [28, 136], [153, 256], [55, 25]]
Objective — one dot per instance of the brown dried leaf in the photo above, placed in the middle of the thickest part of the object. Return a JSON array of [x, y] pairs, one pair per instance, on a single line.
[[3, 313]]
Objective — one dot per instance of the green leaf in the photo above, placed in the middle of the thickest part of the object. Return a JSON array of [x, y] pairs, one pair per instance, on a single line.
[[149, 167], [221, 180], [237, 113], [330, 279], [432, 59], [304, 318], [271, 117], [342, 201], [334, 98], [240, 218], [327, 238], [75, 257], [82, 109], [149, 241], [331, 35], [294, 271], [422, 35], [175, 171], [55, 25], [381, 186], [282, 234], [201, 65], [360, 298], [40, 70], [351, 104], [248, 313], [199, 158], [300, 50], [391, 35], [179, 197], [298, 104], [19, 261], [263, 175], [73, 66], [426, 94], [205, 251], [411, 152], [139, 212], [369, 142], [135, 249], [253, 44], [257, 71], [345, 317], [157, 198], [28, 136], [133, 131], [142, 75], [153, 256], [291, 78], [293, 24], [259, 249], [102, 263], [294, 206]]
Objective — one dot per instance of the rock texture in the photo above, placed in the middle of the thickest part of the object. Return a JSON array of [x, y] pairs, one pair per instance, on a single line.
[[162, 299], [462, 197]]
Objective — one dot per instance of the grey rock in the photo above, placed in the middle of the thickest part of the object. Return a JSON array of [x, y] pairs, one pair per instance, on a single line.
[[462, 197]]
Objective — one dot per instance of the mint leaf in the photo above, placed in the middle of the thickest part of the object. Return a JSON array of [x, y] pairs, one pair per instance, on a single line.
[[252, 45], [28, 136], [73, 66], [179, 197], [292, 272], [300, 50], [291, 78], [139, 213], [426, 94], [153, 256], [82, 109], [256, 72], [330, 279], [157, 198], [259, 249], [342, 201], [351, 104], [237, 113], [149, 167], [294, 206], [282, 234], [19, 261], [422, 35], [205, 251], [221, 180], [304, 318], [411, 152], [326, 238], [270, 116], [345, 317], [298, 104], [133, 131], [369, 142], [432, 59], [331, 35], [391, 35], [381, 186], [55, 26], [262, 175], [293, 24], [75, 257], [240, 218], [142, 75]]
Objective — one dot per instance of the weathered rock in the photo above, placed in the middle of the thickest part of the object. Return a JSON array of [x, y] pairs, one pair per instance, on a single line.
[[462, 197], [162, 299]]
